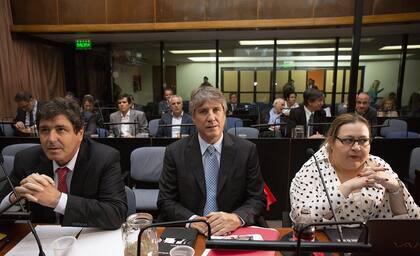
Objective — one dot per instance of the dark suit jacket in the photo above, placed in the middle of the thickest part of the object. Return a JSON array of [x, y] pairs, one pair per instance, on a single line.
[[91, 120], [21, 115], [97, 197], [298, 117], [167, 131], [229, 106], [182, 186]]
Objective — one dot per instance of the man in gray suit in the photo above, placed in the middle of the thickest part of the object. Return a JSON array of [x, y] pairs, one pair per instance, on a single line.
[[211, 175], [135, 119]]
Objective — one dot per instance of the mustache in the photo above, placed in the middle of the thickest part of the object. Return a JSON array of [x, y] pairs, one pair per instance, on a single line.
[[54, 145]]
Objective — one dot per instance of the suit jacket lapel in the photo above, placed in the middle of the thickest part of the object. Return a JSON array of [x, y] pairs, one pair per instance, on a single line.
[[194, 162], [226, 161], [45, 166], [80, 169]]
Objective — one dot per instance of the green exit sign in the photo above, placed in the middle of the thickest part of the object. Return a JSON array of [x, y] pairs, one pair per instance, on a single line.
[[83, 44]]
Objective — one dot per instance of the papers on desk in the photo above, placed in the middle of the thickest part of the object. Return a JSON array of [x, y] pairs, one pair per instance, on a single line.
[[47, 234]]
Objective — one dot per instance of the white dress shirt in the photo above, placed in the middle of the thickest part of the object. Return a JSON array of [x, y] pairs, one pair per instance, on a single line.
[[307, 115], [176, 130], [125, 128]]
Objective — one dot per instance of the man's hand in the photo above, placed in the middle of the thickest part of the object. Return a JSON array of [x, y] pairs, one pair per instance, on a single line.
[[200, 226], [20, 125], [39, 189], [223, 223]]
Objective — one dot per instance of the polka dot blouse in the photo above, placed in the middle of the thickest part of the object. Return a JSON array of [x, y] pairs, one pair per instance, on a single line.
[[306, 190]]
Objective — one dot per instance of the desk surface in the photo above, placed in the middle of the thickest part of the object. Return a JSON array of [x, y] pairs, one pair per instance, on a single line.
[[17, 232]]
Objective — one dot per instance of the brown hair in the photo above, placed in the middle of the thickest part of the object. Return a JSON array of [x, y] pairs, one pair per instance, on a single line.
[[340, 121]]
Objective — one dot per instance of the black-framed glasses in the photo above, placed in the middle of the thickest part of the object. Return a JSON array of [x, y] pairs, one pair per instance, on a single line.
[[349, 141]]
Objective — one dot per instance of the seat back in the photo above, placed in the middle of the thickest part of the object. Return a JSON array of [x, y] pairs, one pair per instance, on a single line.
[[398, 135], [11, 150], [232, 122], [8, 163], [414, 163], [244, 132], [153, 127], [131, 201], [395, 125], [147, 163], [102, 132], [7, 129]]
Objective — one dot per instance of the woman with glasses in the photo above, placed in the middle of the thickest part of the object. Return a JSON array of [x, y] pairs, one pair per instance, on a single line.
[[361, 186]]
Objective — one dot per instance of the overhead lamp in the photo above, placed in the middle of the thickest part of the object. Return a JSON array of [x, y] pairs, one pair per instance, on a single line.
[[399, 47], [300, 41], [194, 51], [327, 49]]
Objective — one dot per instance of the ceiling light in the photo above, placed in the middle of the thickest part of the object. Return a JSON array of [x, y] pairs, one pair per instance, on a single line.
[[399, 47], [295, 58], [329, 49], [194, 51], [301, 41]]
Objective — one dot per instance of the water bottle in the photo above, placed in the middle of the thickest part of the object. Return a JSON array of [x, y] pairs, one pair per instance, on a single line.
[[308, 235]]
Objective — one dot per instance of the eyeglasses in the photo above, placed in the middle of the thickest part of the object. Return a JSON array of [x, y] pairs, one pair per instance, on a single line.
[[349, 141]]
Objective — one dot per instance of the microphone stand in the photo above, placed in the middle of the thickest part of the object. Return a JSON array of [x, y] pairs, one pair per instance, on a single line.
[[321, 176], [101, 116], [170, 224], [33, 231]]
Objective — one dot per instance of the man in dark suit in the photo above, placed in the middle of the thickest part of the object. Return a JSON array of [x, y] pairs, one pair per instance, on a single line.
[[176, 116], [164, 104], [310, 112], [233, 104], [211, 175], [27, 108], [364, 109], [68, 178]]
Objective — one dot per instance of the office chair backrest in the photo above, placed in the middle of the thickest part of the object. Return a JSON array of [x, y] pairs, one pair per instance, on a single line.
[[231, 122], [8, 163], [11, 150], [7, 129], [131, 201], [244, 132], [147, 163], [414, 163], [153, 127], [400, 135], [395, 125]]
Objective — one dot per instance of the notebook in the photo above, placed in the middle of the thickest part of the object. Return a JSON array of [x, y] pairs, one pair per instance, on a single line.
[[174, 236]]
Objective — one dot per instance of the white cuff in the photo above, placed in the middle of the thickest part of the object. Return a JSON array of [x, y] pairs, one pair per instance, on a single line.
[[62, 202], [191, 218]]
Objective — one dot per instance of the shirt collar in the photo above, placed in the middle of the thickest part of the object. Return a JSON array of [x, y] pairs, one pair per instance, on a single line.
[[127, 115], [307, 111], [204, 145], [70, 165], [182, 114]]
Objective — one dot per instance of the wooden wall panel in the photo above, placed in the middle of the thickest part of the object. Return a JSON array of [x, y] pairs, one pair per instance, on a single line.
[[82, 12], [34, 12], [130, 11], [332, 8], [387, 6], [180, 10], [275, 9], [232, 10]]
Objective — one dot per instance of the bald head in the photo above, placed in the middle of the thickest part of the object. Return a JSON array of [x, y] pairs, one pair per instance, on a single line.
[[362, 103]]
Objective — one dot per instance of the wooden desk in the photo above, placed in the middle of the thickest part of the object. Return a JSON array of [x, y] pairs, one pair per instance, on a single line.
[[17, 232]]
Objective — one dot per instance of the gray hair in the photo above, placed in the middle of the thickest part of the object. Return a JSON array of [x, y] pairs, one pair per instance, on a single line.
[[276, 101], [206, 93], [175, 96]]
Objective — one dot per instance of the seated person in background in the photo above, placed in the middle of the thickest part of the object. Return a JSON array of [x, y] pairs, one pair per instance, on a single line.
[[211, 175], [27, 108], [290, 103], [362, 108], [361, 186], [176, 116], [89, 116], [164, 104], [310, 112], [233, 103], [276, 116], [68, 178], [387, 108], [413, 107], [137, 122]]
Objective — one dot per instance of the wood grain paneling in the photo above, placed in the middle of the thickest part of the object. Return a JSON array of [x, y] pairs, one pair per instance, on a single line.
[[34, 12], [388, 6], [275, 9], [333, 8], [232, 10], [180, 10], [130, 11], [82, 11]]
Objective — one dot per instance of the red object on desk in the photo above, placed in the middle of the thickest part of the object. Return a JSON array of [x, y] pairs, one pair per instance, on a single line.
[[266, 233], [271, 199]]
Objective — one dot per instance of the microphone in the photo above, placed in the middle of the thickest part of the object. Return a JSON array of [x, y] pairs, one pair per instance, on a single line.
[[101, 119], [33, 231], [170, 224], [311, 153]]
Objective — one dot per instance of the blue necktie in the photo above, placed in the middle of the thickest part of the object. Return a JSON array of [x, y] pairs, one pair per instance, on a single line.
[[211, 171]]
